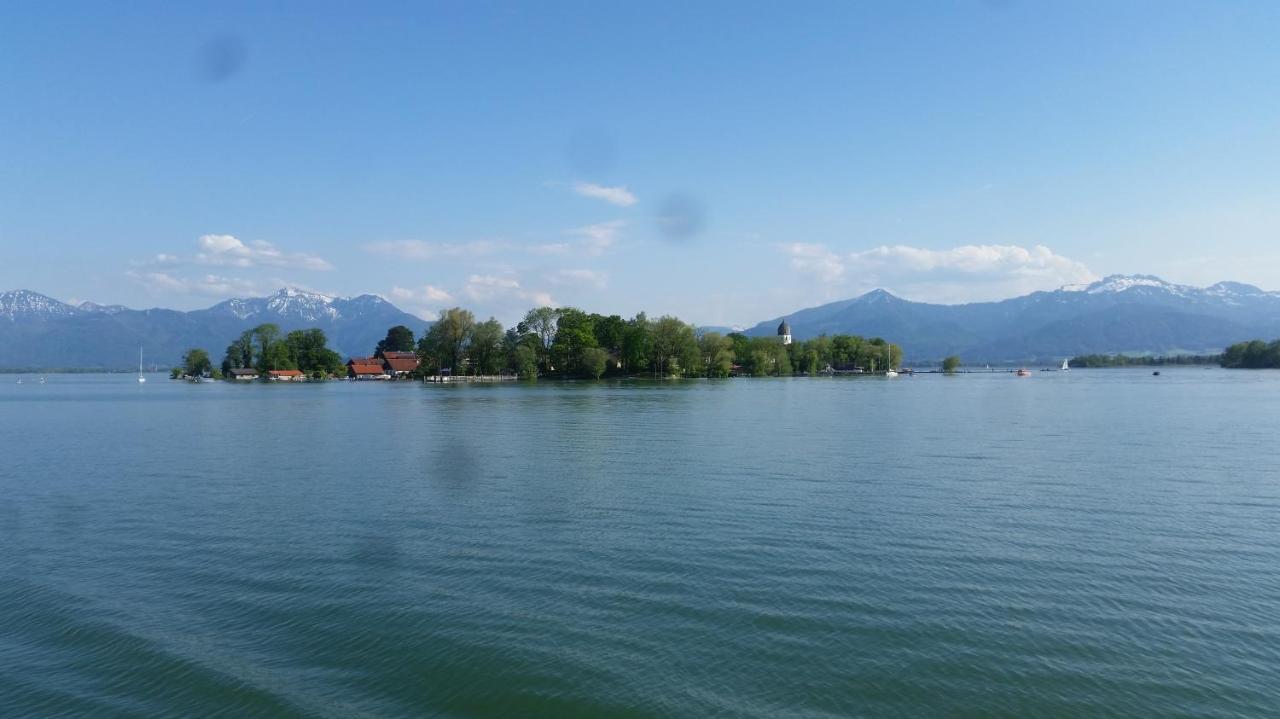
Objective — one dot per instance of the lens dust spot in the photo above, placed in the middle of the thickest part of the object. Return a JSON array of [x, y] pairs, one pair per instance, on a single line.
[[220, 58], [680, 217]]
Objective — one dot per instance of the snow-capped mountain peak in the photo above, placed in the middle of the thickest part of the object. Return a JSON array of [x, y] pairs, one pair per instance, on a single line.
[[301, 304], [101, 309], [25, 304], [1229, 292], [1124, 283], [291, 303]]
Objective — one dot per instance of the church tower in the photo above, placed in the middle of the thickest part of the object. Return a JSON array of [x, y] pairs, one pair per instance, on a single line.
[[784, 332]]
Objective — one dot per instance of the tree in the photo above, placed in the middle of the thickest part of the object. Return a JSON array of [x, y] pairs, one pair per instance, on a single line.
[[1255, 354], [525, 361], [594, 361], [574, 334], [272, 352], [195, 363], [449, 337], [673, 342], [716, 354], [398, 339], [239, 353], [541, 322], [610, 331], [486, 347], [309, 351], [951, 364], [636, 344]]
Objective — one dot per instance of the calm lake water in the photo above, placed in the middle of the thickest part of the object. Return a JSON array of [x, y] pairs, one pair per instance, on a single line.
[[1093, 543]]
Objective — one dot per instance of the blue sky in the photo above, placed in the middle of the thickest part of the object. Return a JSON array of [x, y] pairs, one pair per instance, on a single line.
[[722, 161]]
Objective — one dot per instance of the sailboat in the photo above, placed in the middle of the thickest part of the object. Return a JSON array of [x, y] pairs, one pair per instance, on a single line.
[[141, 379], [1065, 366], [888, 372]]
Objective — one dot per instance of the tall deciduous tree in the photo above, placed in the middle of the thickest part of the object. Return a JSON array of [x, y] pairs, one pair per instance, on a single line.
[[575, 333], [717, 354], [272, 352], [196, 363], [674, 347], [449, 336], [486, 347], [309, 352], [541, 322], [239, 353], [636, 344], [594, 361]]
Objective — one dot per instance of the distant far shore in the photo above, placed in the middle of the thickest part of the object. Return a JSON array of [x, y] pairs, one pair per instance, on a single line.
[[74, 370]]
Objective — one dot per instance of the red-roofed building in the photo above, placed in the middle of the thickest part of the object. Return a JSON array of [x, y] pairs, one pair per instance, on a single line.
[[286, 375], [400, 366], [366, 368]]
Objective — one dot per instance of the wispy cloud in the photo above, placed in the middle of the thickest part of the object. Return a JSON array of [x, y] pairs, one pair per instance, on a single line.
[[552, 248], [206, 285], [230, 251], [620, 196], [489, 288], [599, 237], [420, 250], [959, 274], [424, 301], [579, 278]]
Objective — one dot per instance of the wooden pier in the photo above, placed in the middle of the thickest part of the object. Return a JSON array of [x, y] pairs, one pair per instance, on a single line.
[[455, 378]]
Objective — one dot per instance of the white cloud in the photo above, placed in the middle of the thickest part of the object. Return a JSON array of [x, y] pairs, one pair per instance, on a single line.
[[579, 278], [960, 274], [490, 288], [423, 301], [552, 248], [816, 261], [211, 285], [426, 293], [419, 250], [620, 196], [229, 251], [599, 237]]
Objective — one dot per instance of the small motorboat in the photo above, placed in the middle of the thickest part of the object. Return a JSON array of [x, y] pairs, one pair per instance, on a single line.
[[1156, 373], [1024, 372]]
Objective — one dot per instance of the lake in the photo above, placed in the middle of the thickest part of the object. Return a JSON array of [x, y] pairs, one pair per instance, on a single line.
[[1100, 543]]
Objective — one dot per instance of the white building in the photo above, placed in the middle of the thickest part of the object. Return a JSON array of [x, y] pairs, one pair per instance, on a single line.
[[784, 332]]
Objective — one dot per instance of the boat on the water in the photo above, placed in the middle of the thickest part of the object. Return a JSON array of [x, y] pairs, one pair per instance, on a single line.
[[1023, 372]]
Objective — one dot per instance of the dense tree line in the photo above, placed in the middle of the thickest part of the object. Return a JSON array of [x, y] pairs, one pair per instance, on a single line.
[[567, 342], [264, 349], [1256, 354], [1096, 360]]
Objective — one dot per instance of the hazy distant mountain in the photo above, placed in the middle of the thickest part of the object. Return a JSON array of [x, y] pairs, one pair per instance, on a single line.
[[38, 331], [1121, 313]]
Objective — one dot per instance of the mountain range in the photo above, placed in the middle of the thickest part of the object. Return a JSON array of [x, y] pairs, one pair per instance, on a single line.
[[40, 332], [1138, 314], [1119, 314]]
